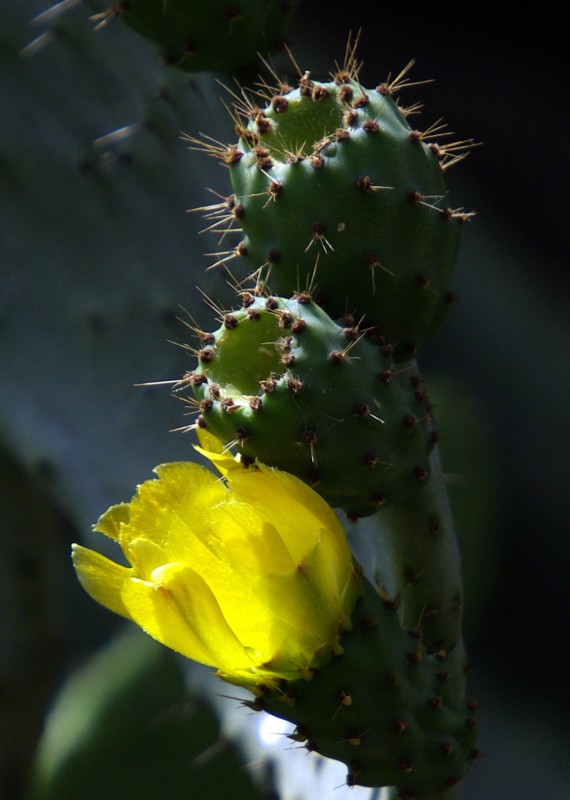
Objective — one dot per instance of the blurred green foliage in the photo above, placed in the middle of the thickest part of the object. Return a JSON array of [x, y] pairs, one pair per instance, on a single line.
[[125, 725]]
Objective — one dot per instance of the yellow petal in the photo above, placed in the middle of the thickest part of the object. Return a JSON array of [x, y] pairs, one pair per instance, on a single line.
[[300, 604], [338, 588], [145, 556], [247, 543], [170, 509], [298, 512], [178, 609], [209, 443], [111, 521], [325, 572], [213, 449], [101, 578]]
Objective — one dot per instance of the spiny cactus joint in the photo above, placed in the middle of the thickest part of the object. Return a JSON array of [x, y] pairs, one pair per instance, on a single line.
[[292, 388], [335, 192], [410, 728]]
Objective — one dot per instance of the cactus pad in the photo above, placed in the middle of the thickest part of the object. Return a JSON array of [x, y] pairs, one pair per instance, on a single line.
[[334, 190], [292, 388], [396, 715]]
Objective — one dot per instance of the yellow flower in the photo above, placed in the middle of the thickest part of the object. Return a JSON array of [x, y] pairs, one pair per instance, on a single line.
[[250, 573]]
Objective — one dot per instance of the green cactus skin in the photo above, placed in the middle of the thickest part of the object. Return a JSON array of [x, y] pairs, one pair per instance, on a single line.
[[393, 714], [291, 388], [334, 190], [219, 35], [419, 540], [415, 565]]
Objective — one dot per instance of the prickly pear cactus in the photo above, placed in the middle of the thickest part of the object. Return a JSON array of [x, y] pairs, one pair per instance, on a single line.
[[291, 388], [349, 241], [216, 35], [335, 192], [121, 166]]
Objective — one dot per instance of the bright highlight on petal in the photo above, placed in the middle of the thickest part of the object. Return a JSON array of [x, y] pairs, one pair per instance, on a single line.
[[249, 572]]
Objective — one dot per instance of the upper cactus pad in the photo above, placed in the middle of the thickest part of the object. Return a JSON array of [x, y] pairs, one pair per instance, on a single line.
[[335, 191]]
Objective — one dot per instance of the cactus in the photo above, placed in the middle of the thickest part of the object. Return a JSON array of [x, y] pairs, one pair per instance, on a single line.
[[295, 390], [218, 572], [207, 36], [96, 263], [285, 384], [336, 193], [327, 338]]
